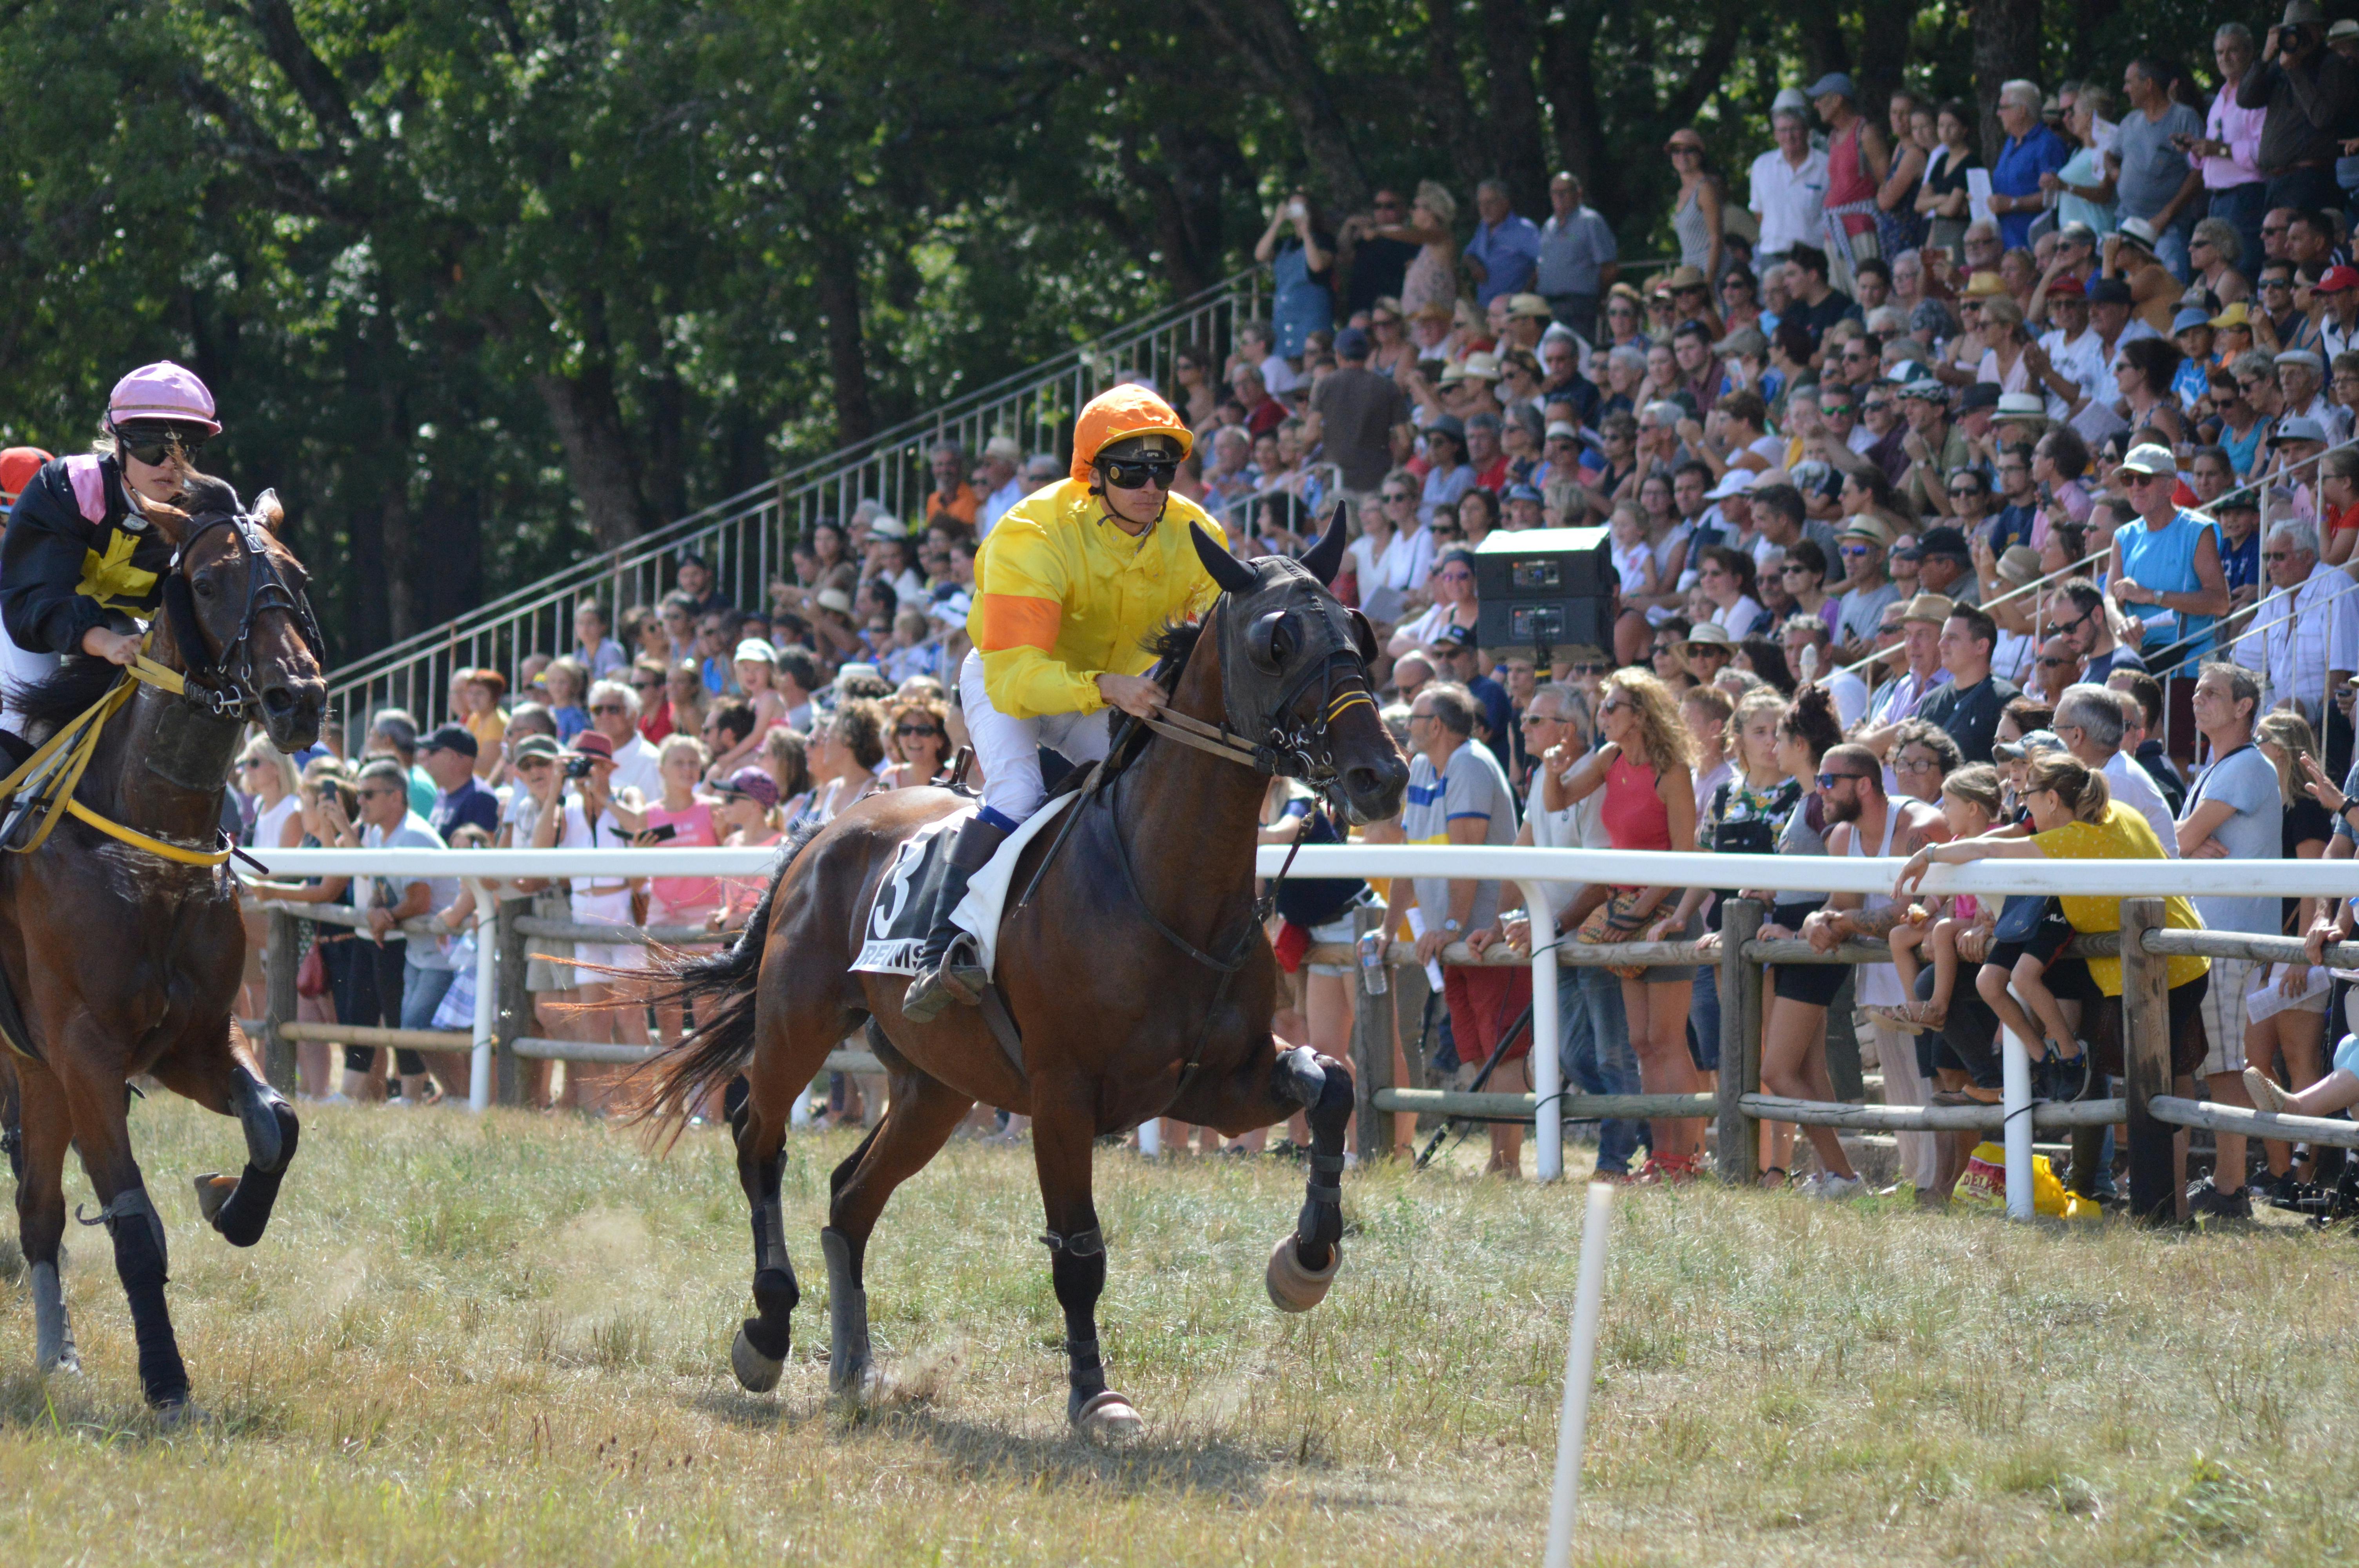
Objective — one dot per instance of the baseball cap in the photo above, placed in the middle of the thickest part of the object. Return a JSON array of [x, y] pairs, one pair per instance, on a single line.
[[1560, 427], [1455, 639], [1351, 343], [1789, 101], [2037, 741], [2109, 291], [1925, 389], [884, 525], [1736, 481], [2152, 459], [2190, 319], [2303, 357], [2294, 427], [1833, 81], [1980, 394], [2338, 279], [752, 784], [450, 737], [2246, 499], [756, 651], [1943, 541], [1522, 492], [2239, 314], [2064, 286], [542, 746]]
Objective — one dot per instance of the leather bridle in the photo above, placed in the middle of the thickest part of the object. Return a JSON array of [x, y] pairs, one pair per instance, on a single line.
[[225, 684]]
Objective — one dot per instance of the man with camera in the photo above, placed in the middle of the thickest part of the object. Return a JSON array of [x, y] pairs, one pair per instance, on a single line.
[[2308, 93], [577, 812]]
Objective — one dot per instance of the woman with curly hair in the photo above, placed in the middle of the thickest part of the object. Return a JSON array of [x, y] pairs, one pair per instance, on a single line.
[[843, 753], [919, 743], [1645, 769]]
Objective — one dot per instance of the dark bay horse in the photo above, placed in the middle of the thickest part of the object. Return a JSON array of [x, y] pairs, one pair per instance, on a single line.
[[124, 962], [1137, 973]]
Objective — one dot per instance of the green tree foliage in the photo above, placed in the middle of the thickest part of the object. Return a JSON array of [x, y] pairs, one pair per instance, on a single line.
[[482, 285]]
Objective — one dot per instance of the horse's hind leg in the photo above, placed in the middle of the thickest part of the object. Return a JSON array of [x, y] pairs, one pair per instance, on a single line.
[[758, 1355], [48, 1127], [218, 1076], [1063, 1135], [919, 1118]]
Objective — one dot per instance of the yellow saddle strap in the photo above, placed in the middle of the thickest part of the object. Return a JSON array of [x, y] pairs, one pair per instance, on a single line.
[[77, 742]]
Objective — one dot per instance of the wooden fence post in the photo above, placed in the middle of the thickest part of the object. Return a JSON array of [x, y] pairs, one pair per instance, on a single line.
[[278, 963], [516, 1002], [1738, 1136], [1372, 1041], [2145, 1064]]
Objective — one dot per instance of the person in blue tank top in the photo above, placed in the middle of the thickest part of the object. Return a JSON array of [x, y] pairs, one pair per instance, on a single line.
[[2164, 566]]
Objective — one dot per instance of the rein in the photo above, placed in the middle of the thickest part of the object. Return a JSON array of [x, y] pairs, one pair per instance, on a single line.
[[65, 756]]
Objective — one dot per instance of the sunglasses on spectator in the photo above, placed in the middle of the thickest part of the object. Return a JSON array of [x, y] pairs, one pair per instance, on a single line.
[[372, 793], [650, 683], [1790, 568], [1857, 549], [1611, 705], [1829, 781], [608, 707], [1393, 495], [2047, 663], [1964, 493], [1458, 577], [906, 730], [1129, 474]]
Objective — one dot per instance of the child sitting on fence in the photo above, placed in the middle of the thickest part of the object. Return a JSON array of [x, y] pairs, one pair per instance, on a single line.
[[1942, 928]]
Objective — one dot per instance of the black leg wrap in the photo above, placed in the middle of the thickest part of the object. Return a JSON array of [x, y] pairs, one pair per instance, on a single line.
[[775, 1290], [246, 1215], [268, 1121], [1320, 1224], [139, 1263], [1078, 1270]]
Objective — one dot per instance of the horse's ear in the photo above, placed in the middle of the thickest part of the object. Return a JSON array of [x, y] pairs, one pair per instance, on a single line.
[[1363, 637], [1232, 574], [269, 511], [1325, 558]]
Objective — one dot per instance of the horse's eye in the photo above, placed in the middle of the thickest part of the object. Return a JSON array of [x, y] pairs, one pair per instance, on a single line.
[[205, 588]]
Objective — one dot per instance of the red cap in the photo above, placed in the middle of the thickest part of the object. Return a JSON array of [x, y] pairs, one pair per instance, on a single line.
[[2337, 279], [19, 464], [2066, 285], [589, 743]]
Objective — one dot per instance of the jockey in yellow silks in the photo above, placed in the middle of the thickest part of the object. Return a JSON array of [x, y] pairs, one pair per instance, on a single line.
[[1068, 586]]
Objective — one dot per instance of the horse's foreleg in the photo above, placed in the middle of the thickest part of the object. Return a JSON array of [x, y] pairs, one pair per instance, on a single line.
[[47, 1133], [1304, 1264], [919, 1119], [103, 1134], [218, 1078], [1063, 1135]]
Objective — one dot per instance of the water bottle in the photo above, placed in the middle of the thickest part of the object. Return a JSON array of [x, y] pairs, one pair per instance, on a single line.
[[1375, 979]]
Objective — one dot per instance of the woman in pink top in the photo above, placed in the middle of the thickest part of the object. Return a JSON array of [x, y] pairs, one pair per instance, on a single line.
[[681, 900], [1646, 769]]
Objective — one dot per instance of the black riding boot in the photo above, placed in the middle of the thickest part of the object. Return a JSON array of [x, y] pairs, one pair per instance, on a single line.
[[947, 970]]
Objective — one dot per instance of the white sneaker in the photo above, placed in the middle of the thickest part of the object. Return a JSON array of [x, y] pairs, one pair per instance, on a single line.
[[1809, 1185], [1835, 1188]]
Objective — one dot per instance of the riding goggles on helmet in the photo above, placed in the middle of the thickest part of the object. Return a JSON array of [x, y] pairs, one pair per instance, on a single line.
[[155, 445], [1138, 473]]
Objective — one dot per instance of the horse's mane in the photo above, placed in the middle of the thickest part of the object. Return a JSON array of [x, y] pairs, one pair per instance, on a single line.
[[65, 692], [1173, 644]]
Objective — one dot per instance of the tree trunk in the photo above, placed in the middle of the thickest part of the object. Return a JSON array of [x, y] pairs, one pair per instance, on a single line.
[[1441, 90], [597, 452], [1510, 40], [1565, 53], [1268, 40], [838, 278], [2007, 46], [1883, 58]]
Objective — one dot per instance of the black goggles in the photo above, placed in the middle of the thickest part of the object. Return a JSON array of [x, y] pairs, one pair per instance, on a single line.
[[1138, 473], [157, 448]]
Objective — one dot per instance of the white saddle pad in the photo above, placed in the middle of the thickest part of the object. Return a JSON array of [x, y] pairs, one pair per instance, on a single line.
[[896, 921]]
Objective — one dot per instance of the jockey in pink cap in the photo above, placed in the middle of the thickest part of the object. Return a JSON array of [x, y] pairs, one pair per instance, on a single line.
[[79, 559]]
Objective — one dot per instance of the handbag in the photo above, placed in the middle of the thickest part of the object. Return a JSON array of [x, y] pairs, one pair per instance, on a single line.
[[2019, 918], [312, 974], [1615, 920]]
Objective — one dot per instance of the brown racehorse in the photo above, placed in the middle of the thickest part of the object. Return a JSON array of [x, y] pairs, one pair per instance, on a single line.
[[123, 962], [1137, 973]]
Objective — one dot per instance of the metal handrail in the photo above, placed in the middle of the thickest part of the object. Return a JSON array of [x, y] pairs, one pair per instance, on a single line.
[[750, 534]]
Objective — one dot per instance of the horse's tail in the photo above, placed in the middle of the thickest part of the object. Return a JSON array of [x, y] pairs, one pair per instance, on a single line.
[[664, 1090]]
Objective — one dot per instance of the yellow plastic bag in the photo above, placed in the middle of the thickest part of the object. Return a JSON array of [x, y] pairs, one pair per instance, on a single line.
[[1986, 1178]]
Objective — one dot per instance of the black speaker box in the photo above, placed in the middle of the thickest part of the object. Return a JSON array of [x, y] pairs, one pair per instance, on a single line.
[[1547, 587]]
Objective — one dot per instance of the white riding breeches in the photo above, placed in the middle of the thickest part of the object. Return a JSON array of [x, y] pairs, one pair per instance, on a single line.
[[19, 666], [1009, 749]]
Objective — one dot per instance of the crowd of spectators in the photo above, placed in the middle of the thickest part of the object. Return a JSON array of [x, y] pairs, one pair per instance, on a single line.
[[1946, 499]]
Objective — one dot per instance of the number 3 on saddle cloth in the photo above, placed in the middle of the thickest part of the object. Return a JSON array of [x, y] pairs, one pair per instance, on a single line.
[[905, 898]]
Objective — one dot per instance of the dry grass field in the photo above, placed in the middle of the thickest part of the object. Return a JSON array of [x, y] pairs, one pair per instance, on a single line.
[[504, 1340]]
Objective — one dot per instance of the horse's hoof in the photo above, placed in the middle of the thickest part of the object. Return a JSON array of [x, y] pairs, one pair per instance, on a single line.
[[212, 1191], [1109, 1417], [68, 1365], [1292, 1287], [181, 1415], [864, 1388], [756, 1373]]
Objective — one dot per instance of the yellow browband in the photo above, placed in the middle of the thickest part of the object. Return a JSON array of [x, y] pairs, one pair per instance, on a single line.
[[75, 743]]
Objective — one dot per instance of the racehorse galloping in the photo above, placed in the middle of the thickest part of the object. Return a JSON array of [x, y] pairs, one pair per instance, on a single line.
[[1137, 973], [142, 976]]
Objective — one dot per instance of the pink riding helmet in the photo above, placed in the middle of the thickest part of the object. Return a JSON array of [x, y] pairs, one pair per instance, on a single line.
[[162, 391]]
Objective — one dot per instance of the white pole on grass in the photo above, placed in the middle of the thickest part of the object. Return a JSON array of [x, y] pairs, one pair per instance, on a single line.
[[487, 997], [1547, 1069], [1580, 1371], [2015, 1095], [1150, 1137]]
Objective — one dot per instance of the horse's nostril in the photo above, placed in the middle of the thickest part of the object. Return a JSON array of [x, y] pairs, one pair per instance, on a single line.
[[277, 699]]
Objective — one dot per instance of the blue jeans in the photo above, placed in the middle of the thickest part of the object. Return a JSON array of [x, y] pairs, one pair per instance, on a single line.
[[422, 990], [1594, 1052], [2171, 248], [1703, 1021]]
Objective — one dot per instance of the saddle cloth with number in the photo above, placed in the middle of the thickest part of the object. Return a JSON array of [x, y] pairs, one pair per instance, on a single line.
[[896, 922]]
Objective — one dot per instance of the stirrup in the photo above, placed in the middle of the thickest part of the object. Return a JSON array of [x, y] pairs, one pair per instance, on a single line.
[[957, 977]]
